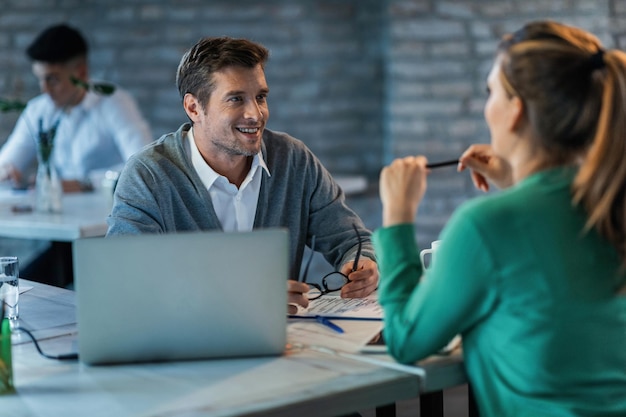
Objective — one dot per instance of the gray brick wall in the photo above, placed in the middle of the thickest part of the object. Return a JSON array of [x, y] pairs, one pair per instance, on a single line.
[[360, 81], [437, 58], [325, 72]]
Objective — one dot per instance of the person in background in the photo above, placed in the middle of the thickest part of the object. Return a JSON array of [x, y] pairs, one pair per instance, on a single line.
[[94, 131], [226, 171], [532, 277]]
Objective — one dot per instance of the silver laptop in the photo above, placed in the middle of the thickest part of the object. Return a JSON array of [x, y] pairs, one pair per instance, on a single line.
[[166, 297]]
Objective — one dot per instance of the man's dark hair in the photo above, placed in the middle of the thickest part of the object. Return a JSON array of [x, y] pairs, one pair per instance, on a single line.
[[196, 68], [57, 44]]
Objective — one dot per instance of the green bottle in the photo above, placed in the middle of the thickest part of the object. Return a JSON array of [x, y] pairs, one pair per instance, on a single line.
[[6, 363]]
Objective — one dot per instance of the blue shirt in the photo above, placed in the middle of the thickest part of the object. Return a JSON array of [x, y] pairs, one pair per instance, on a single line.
[[101, 132]]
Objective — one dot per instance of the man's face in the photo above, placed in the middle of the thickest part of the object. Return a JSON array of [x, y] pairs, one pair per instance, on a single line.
[[235, 116], [56, 81]]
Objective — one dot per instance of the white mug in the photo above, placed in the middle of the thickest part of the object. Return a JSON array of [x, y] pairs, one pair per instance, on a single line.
[[430, 251]]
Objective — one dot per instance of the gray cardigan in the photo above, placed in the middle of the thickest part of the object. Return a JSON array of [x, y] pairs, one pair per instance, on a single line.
[[159, 191]]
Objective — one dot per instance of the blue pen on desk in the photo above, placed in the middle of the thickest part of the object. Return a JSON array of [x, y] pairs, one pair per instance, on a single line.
[[328, 323]]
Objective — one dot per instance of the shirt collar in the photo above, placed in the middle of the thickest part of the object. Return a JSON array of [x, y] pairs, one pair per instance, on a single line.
[[90, 100], [204, 170]]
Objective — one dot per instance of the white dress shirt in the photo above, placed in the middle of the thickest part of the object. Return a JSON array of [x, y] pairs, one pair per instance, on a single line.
[[101, 132], [235, 207]]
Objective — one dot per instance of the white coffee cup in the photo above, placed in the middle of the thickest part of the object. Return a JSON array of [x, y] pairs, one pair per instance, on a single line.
[[430, 252]]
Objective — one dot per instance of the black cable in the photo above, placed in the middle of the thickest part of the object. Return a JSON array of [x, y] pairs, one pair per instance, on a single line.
[[63, 357]]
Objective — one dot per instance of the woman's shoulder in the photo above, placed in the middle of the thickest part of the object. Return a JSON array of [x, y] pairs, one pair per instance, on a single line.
[[490, 204], [495, 211]]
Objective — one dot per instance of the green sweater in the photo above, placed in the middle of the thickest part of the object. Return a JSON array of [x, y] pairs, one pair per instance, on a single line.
[[535, 299]]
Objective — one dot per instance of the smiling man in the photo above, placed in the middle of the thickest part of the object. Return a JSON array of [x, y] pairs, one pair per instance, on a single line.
[[226, 171]]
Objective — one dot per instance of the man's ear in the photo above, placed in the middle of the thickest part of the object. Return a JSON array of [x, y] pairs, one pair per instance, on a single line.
[[192, 107], [518, 115]]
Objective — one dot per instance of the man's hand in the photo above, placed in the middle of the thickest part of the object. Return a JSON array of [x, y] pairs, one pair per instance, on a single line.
[[296, 296], [364, 279], [9, 172]]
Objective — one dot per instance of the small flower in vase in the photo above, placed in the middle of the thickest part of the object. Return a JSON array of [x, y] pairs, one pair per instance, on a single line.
[[46, 142], [48, 185], [49, 189]]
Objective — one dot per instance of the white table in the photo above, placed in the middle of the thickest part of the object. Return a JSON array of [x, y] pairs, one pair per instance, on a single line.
[[83, 215], [301, 383]]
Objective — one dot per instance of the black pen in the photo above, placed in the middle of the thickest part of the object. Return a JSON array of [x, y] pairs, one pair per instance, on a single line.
[[442, 164]]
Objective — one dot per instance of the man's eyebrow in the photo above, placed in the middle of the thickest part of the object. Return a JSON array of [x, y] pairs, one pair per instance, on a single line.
[[241, 92]]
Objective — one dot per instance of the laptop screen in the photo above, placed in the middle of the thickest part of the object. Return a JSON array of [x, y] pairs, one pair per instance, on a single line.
[[183, 296]]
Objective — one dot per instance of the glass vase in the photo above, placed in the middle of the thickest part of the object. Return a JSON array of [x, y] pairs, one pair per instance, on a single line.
[[48, 189]]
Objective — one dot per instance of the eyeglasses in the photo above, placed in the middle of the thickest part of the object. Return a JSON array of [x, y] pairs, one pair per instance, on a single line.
[[333, 281]]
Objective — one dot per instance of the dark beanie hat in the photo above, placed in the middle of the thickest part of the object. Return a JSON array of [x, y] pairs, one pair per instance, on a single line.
[[58, 43]]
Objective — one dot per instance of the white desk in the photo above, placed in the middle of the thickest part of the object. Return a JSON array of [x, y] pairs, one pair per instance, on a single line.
[[83, 215], [304, 383]]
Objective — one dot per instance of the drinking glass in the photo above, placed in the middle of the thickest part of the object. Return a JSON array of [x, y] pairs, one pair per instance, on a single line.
[[9, 285]]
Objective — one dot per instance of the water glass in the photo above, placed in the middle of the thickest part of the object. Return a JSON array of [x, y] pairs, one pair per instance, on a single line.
[[9, 285]]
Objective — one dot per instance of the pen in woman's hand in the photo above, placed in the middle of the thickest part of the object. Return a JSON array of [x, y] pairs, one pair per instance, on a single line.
[[442, 164]]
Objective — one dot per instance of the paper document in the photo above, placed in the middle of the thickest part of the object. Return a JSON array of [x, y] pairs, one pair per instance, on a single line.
[[332, 306], [309, 333]]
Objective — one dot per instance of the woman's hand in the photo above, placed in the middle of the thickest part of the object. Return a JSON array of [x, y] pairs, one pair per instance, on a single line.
[[402, 187], [486, 167]]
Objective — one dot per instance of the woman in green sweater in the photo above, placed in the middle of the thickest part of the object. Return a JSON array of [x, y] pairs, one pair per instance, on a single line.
[[531, 277]]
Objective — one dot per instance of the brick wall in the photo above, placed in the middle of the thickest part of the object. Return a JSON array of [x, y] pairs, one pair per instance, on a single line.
[[360, 81], [325, 72], [438, 56]]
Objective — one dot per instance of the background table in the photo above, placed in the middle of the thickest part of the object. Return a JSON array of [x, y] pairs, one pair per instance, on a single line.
[[83, 215]]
